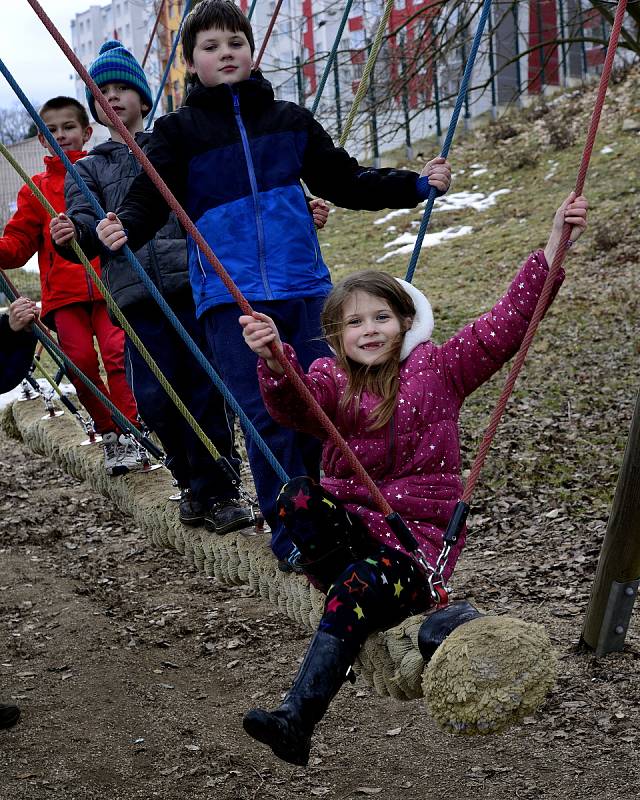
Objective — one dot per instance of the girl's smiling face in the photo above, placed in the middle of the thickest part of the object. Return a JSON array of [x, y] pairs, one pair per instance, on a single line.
[[370, 328]]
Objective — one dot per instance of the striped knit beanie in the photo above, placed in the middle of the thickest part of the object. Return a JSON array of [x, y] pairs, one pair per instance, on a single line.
[[116, 64]]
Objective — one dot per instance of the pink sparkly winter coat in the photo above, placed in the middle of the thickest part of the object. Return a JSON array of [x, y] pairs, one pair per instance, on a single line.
[[415, 459]]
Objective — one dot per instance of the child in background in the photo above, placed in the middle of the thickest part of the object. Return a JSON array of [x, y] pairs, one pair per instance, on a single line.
[[207, 494], [395, 397], [234, 157], [71, 302]]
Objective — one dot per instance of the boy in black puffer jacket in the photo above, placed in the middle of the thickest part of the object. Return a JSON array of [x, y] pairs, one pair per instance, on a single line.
[[234, 157], [208, 495]]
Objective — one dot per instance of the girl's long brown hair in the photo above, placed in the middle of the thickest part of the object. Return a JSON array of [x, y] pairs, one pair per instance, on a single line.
[[379, 380]]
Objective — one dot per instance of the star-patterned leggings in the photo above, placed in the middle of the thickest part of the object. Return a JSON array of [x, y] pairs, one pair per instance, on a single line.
[[370, 586]]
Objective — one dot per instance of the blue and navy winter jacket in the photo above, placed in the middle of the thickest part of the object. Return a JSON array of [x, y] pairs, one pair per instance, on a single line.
[[234, 157]]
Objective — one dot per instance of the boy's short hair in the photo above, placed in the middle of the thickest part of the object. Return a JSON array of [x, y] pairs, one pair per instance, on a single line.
[[56, 103], [218, 14]]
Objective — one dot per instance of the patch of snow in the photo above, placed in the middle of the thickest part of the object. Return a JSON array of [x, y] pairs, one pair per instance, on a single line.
[[606, 150], [391, 215], [407, 240], [475, 200], [392, 228], [479, 171]]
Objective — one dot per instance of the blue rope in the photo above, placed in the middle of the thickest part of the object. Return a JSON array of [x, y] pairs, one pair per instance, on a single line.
[[464, 86], [148, 283], [172, 55], [332, 55], [253, 5]]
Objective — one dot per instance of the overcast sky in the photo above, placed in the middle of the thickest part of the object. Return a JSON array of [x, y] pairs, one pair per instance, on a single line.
[[30, 53]]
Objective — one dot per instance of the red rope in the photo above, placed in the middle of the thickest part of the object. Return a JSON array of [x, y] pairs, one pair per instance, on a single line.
[[153, 33], [224, 276], [267, 35], [543, 300]]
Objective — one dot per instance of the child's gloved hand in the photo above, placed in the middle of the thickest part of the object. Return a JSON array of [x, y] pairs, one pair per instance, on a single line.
[[111, 232], [62, 229], [438, 171], [22, 314], [320, 212], [573, 211], [259, 332]]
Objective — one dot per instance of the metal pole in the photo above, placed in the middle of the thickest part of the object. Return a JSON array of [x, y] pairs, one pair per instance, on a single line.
[[563, 45], [336, 81], [494, 104], [299, 82], [543, 79], [436, 89], [583, 45], [405, 100], [374, 116], [516, 27], [463, 55], [618, 573]]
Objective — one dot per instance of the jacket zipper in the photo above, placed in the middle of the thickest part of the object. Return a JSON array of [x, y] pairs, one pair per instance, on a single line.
[[254, 192]]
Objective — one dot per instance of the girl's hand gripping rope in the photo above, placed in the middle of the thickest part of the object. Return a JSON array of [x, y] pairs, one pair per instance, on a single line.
[[111, 232], [259, 332], [573, 211]]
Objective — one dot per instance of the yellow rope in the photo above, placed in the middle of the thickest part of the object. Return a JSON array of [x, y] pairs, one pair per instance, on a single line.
[[117, 312], [364, 81]]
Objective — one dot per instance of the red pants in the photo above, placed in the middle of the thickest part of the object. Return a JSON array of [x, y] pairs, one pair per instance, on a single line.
[[76, 325]]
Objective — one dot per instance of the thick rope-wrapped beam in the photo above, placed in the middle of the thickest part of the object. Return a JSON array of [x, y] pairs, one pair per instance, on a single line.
[[465, 687]]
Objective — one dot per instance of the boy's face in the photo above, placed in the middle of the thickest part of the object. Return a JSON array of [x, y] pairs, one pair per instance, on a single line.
[[221, 56], [66, 129], [127, 104]]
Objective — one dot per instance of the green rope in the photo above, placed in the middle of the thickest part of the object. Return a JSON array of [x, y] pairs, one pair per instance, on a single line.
[[364, 81], [117, 312]]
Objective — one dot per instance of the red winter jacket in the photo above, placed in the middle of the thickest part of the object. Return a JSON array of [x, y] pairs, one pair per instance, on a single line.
[[414, 460], [27, 232]]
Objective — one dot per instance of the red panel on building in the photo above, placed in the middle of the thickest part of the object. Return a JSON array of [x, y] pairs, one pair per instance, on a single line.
[[543, 62]]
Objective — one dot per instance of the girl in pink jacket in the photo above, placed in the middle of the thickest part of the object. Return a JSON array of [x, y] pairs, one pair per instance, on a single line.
[[395, 397]]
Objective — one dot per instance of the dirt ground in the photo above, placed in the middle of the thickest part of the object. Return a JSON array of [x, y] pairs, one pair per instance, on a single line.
[[133, 673]]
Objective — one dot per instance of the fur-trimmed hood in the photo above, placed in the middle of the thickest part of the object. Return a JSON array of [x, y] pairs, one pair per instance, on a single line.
[[422, 325]]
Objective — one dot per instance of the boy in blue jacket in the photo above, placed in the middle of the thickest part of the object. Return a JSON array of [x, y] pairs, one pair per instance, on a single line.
[[234, 157]]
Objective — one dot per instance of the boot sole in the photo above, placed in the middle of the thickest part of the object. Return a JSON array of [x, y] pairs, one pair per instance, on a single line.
[[192, 522], [230, 527], [265, 734]]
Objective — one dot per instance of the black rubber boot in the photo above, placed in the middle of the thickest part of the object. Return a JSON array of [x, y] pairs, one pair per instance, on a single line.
[[439, 624], [288, 729], [9, 715]]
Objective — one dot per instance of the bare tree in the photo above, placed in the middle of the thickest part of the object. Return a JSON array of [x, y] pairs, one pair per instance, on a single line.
[[15, 125]]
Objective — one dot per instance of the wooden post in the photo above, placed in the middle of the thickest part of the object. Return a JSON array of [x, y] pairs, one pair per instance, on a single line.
[[618, 572]]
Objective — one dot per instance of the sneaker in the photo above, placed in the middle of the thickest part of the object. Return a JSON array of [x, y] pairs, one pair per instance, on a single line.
[[226, 516], [192, 511], [112, 454], [128, 453]]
